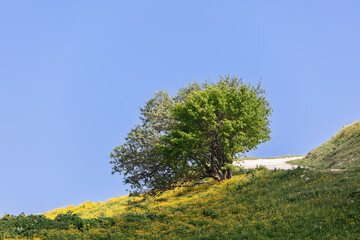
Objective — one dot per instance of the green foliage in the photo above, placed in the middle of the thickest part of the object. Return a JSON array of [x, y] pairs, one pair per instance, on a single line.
[[193, 135], [38, 225], [212, 126], [342, 151], [23, 226], [64, 220], [138, 159]]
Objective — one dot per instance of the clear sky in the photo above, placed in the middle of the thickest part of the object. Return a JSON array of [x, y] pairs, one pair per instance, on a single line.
[[73, 75]]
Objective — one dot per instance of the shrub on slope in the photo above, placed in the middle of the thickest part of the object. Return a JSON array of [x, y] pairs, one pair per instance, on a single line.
[[342, 151]]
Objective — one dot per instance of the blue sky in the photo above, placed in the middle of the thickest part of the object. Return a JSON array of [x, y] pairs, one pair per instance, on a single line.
[[73, 75]]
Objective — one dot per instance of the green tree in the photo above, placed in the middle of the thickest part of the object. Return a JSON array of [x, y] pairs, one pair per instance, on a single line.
[[210, 127], [193, 135], [138, 159]]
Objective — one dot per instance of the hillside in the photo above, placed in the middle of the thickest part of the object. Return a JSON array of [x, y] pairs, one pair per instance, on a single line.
[[342, 151], [259, 204]]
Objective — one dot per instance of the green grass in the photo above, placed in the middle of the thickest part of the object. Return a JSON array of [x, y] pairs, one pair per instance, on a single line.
[[340, 152], [260, 204]]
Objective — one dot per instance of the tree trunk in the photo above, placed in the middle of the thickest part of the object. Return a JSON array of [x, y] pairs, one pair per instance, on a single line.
[[229, 173], [216, 176], [224, 174]]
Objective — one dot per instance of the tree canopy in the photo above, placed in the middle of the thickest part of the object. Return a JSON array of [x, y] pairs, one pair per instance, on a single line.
[[196, 134]]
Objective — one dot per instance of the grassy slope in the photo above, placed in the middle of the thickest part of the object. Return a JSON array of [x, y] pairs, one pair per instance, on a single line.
[[342, 151], [92, 210], [294, 204]]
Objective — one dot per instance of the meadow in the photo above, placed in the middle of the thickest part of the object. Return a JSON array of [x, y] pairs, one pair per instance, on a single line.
[[254, 204]]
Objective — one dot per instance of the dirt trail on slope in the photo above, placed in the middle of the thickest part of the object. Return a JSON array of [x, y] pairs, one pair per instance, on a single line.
[[278, 163]]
